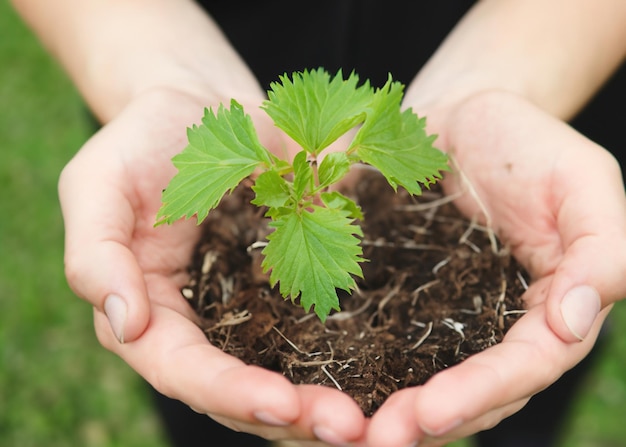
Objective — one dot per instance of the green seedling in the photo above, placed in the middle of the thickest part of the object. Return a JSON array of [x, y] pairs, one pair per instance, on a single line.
[[314, 247]]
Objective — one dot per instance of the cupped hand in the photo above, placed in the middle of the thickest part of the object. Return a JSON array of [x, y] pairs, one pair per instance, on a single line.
[[132, 272], [557, 200]]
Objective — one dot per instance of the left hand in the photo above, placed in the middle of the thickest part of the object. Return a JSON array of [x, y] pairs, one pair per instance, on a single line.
[[557, 200], [132, 273]]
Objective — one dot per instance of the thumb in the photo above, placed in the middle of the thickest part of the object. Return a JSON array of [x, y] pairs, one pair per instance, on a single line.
[[99, 265], [590, 275], [589, 278]]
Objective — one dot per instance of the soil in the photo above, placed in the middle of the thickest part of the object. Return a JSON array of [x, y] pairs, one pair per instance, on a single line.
[[435, 291]]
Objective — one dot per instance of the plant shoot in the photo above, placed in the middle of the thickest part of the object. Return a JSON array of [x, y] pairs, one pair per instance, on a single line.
[[314, 247]]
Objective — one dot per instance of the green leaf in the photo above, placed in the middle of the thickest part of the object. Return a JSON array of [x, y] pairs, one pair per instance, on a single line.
[[302, 175], [335, 199], [313, 253], [271, 190], [333, 168], [396, 143], [314, 250], [315, 109], [222, 151]]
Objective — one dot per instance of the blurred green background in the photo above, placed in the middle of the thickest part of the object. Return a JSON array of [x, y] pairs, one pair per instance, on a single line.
[[58, 387]]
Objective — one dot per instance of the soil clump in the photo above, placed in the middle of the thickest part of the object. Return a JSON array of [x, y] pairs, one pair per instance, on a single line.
[[434, 293]]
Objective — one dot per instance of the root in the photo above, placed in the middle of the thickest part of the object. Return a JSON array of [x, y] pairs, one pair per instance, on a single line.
[[472, 191], [294, 346], [422, 339], [421, 288], [332, 379], [230, 319]]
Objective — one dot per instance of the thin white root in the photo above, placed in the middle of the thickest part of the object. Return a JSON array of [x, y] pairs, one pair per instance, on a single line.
[[231, 320], [470, 188], [423, 338], [332, 379]]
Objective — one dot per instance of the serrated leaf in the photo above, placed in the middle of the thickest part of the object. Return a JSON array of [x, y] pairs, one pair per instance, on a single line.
[[313, 253], [271, 190], [315, 109], [222, 151], [335, 199], [333, 168], [396, 143]]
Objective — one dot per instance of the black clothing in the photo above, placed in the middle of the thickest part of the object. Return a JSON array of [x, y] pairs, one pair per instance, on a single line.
[[371, 37], [375, 38]]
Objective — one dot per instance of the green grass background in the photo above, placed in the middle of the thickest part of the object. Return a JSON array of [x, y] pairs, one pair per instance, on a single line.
[[58, 387]]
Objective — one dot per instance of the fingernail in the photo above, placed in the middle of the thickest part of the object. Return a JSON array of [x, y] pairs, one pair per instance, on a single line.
[[115, 310], [329, 437], [435, 433], [579, 309], [270, 419]]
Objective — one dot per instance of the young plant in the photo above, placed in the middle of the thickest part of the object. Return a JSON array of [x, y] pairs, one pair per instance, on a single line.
[[314, 248]]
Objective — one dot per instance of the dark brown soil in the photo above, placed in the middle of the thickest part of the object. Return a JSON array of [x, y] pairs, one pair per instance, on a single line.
[[435, 292]]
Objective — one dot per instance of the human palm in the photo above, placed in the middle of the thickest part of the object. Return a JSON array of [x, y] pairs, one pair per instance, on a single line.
[[518, 168], [557, 200], [110, 193], [553, 196]]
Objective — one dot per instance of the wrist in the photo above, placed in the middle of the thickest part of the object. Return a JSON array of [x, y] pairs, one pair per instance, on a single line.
[[107, 103]]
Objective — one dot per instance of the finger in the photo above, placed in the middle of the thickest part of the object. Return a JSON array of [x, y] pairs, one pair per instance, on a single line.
[[469, 428], [593, 233], [331, 415], [396, 425], [174, 356], [328, 417], [100, 267], [530, 358]]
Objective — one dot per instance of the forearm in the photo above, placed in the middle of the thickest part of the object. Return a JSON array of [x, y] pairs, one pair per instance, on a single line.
[[555, 53], [115, 50]]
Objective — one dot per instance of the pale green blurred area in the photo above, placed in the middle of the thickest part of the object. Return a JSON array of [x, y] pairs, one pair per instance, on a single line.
[[58, 387]]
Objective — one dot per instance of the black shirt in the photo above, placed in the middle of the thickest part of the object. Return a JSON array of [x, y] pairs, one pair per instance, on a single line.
[[375, 38]]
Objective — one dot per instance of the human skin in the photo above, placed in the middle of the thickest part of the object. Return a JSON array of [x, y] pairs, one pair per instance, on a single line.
[[521, 169], [147, 77], [556, 198], [497, 105]]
